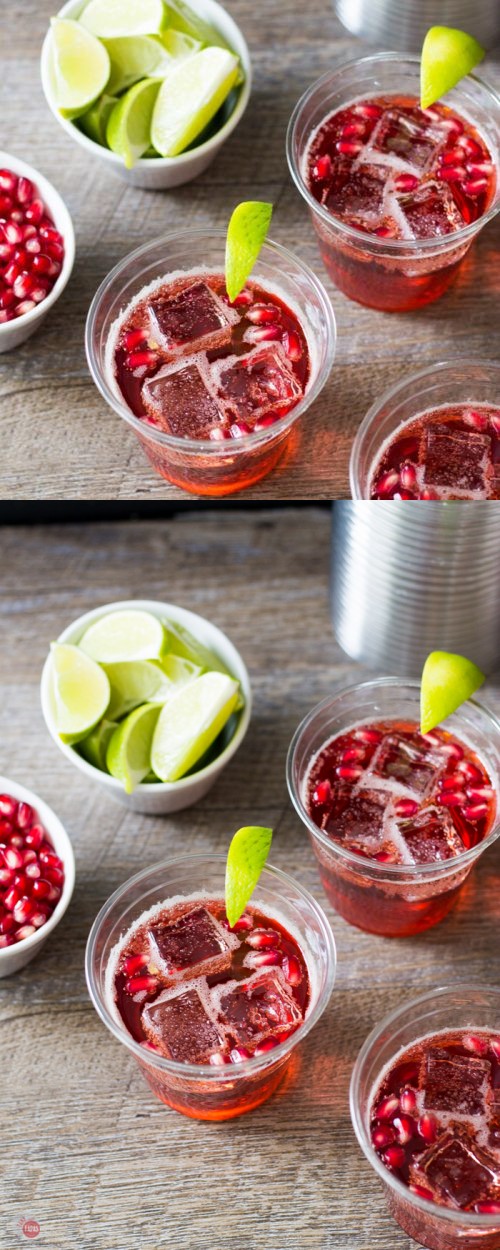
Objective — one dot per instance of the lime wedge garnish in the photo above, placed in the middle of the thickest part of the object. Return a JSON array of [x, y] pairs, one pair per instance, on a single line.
[[178, 670], [131, 634], [179, 45], [190, 96], [128, 756], [134, 57], [129, 127], [109, 19], [447, 681], [181, 17], [144, 681], [95, 121], [94, 747], [246, 232], [246, 857], [80, 692], [447, 56], [80, 67], [182, 642], [189, 722]]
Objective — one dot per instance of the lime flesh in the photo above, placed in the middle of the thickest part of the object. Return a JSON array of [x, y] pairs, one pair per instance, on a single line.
[[190, 722], [189, 97], [181, 641], [80, 692], [448, 55], [130, 634], [448, 680], [80, 67], [94, 747], [133, 58], [133, 682], [128, 756], [95, 121], [109, 19], [129, 127]]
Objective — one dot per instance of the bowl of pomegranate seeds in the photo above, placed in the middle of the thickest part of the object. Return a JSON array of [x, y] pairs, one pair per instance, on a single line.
[[37, 249], [37, 874]]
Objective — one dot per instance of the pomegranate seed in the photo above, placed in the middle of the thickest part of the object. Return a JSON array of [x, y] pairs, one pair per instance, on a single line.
[[7, 923], [421, 1192], [26, 932], [453, 156], [22, 910], [23, 286], [427, 1127], [451, 798], [41, 888], [12, 232], [474, 186], [387, 482], [495, 1046], [22, 883], [394, 1157], [29, 857], [33, 248], [265, 1046], [38, 294], [54, 875], [238, 1054], [475, 811], [348, 772], [382, 1136], [49, 233], [25, 191], [292, 970], [479, 1045], [12, 857], [385, 232], [25, 816], [428, 493], [264, 422], [8, 181], [5, 940], [26, 306], [322, 792], [372, 111], [405, 1128], [405, 182], [408, 476], [5, 205], [262, 314], [387, 1108], [348, 147], [450, 173], [487, 1208], [33, 871], [292, 345], [479, 168], [480, 792], [142, 360], [6, 878], [56, 253], [323, 167], [11, 274], [478, 420], [405, 807], [386, 857], [261, 938], [16, 840], [35, 836], [408, 1100], [55, 269], [132, 338], [470, 771], [141, 985], [452, 782], [263, 959], [239, 428], [243, 300], [41, 263], [469, 146], [243, 924], [263, 334], [6, 253], [38, 918], [29, 232], [353, 753], [218, 434], [134, 963], [34, 212], [54, 894], [353, 129], [371, 736], [217, 1060]]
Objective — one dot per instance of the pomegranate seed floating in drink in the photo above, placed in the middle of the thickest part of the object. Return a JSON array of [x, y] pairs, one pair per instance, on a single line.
[[31, 874], [31, 249], [445, 453]]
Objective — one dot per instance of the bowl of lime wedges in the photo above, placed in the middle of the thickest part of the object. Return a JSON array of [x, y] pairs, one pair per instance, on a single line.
[[152, 88], [147, 699]]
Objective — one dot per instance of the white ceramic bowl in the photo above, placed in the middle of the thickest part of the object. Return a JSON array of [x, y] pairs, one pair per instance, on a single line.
[[13, 333], [161, 173], [158, 797], [12, 958]]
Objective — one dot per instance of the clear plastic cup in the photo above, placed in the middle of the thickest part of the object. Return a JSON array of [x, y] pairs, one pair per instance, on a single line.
[[395, 900], [201, 1091], [448, 382], [391, 274], [205, 467], [456, 1007]]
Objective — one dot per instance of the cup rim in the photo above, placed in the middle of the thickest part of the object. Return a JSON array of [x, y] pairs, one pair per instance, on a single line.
[[393, 872], [153, 162], [52, 824], [146, 787], [213, 1074], [467, 1218], [65, 227], [388, 397], [378, 245], [208, 447]]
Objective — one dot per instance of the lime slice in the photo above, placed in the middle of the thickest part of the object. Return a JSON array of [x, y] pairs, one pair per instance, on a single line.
[[129, 127], [130, 634], [447, 56], [246, 232], [95, 746], [182, 642], [80, 67], [181, 17], [447, 681], [135, 57], [246, 857], [109, 19], [133, 682], [129, 752], [189, 97], [179, 45], [189, 722], [179, 671], [80, 692], [95, 121]]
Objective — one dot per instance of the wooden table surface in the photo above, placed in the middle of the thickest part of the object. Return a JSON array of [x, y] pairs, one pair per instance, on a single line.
[[59, 438], [87, 1150]]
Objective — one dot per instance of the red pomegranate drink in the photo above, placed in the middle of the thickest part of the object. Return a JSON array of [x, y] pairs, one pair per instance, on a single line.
[[392, 187], [189, 988], [446, 453], [406, 808]]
